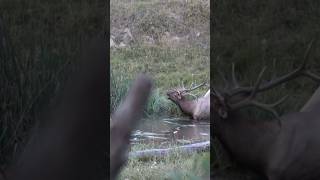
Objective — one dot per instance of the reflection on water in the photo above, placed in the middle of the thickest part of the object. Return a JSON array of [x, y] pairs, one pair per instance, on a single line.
[[167, 130]]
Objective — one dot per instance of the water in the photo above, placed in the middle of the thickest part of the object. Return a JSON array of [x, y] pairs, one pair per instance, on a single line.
[[162, 131]]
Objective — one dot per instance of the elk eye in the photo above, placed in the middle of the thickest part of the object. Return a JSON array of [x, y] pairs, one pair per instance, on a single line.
[[223, 114]]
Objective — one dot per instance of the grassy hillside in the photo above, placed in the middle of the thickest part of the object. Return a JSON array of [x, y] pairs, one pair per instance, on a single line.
[[167, 40]]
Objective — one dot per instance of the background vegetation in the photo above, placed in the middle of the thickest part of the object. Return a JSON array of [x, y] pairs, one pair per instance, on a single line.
[[253, 34], [167, 39], [39, 39]]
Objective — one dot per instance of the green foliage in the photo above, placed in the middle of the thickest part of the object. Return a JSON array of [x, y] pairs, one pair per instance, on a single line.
[[155, 18], [41, 39], [119, 85], [175, 166], [169, 68], [200, 169]]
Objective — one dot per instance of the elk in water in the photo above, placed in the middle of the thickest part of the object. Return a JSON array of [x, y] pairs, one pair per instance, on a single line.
[[286, 148], [197, 109]]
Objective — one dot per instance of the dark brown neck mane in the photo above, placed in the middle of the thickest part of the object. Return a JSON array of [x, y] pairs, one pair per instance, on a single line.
[[246, 139]]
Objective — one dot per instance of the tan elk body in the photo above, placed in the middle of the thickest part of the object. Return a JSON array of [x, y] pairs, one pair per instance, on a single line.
[[286, 148], [198, 109]]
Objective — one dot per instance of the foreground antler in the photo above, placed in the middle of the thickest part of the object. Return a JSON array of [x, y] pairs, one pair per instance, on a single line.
[[287, 152], [250, 101], [299, 72], [123, 122], [247, 94]]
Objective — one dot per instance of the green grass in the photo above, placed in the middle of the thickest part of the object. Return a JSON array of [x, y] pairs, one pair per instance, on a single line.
[[41, 39], [169, 65], [175, 166], [169, 68], [154, 18]]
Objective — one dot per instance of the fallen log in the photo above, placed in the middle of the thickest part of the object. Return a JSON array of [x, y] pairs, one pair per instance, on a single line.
[[158, 153]]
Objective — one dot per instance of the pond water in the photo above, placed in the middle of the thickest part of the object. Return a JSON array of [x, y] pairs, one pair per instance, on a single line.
[[163, 131]]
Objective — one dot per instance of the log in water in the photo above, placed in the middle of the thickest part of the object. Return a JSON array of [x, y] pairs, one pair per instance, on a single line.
[[190, 148]]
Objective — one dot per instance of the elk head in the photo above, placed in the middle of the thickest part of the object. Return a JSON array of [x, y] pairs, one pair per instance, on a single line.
[[175, 94], [179, 94], [190, 107]]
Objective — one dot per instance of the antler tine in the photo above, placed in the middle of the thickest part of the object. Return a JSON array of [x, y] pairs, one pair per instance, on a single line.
[[300, 71], [192, 95], [234, 79], [258, 82], [251, 102], [306, 55], [274, 62], [226, 82], [263, 106], [312, 76], [196, 87], [191, 85]]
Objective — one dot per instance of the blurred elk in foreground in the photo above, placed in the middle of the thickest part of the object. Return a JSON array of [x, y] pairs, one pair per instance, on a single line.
[[70, 143], [198, 109], [123, 122], [286, 148]]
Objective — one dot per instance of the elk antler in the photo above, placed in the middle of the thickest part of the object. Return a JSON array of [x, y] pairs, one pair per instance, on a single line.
[[193, 88], [300, 71], [250, 100], [187, 91]]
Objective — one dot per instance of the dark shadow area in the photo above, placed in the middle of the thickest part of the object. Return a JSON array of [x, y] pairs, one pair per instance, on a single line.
[[253, 34], [40, 43]]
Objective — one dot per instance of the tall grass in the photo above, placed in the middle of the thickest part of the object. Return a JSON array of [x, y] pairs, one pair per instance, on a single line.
[[39, 39], [158, 104], [175, 166]]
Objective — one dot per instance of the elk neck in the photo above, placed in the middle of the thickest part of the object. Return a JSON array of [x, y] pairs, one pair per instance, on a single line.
[[187, 106], [247, 140]]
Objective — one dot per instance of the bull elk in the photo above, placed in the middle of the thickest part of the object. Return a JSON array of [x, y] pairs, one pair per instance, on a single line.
[[198, 109], [289, 150], [71, 143]]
